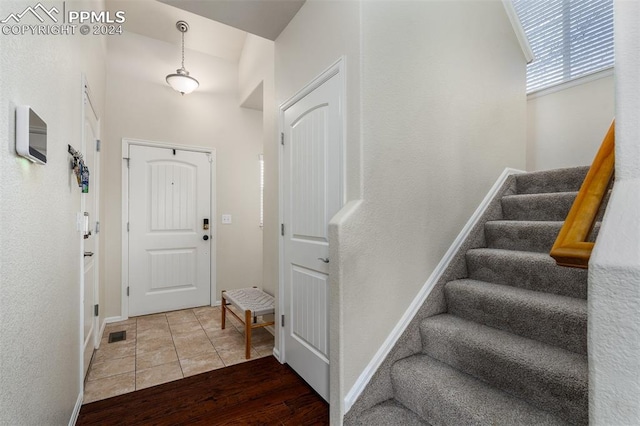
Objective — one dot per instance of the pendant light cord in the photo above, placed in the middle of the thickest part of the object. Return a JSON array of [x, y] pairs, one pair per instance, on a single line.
[[182, 49]]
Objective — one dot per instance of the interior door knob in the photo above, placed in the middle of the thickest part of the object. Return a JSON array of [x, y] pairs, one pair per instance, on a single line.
[[325, 260], [206, 237]]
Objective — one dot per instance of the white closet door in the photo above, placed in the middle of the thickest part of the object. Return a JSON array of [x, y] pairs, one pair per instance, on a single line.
[[312, 195]]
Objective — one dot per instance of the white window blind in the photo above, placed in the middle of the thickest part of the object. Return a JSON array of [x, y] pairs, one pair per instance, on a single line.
[[569, 39], [261, 158]]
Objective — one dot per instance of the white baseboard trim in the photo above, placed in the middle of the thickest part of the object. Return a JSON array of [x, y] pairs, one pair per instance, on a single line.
[[102, 327], [76, 411], [422, 295], [271, 329], [109, 320], [276, 354]]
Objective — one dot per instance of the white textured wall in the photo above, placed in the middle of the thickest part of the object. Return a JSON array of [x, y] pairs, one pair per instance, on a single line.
[[256, 70], [140, 105], [614, 269], [565, 128], [39, 245], [436, 109], [443, 110], [256, 65]]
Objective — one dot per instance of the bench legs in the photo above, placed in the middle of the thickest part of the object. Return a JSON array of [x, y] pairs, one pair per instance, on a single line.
[[247, 334], [248, 323], [224, 309]]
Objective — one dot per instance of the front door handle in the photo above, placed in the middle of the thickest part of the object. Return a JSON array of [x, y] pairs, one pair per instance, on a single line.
[[88, 253], [324, 259]]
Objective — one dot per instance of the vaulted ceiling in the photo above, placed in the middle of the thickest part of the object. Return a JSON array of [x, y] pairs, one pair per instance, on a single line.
[[156, 20], [217, 27], [266, 18]]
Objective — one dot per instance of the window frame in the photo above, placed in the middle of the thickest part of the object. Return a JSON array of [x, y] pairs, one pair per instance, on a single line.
[[572, 32]]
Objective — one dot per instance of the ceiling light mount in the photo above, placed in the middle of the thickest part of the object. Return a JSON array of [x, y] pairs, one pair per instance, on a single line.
[[182, 26], [181, 81]]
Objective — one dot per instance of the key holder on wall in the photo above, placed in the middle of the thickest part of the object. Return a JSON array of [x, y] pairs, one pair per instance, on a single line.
[[80, 169]]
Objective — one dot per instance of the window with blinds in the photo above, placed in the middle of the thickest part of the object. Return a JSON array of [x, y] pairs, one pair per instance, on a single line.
[[569, 38], [261, 159]]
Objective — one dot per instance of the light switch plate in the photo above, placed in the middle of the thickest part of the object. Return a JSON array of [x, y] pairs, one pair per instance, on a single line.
[[226, 219]]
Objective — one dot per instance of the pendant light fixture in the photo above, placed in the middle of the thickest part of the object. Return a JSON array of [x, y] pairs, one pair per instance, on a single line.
[[181, 81]]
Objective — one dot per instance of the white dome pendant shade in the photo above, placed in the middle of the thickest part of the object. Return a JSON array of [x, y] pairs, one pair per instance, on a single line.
[[181, 81]]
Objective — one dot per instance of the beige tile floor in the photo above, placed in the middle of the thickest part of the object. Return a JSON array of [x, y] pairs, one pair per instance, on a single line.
[[163, 347]]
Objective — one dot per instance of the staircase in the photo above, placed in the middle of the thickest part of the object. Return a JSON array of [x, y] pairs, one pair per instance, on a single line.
[[511, 346]]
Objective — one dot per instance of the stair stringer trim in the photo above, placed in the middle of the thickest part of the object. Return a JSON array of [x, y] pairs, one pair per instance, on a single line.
[[496, 192]]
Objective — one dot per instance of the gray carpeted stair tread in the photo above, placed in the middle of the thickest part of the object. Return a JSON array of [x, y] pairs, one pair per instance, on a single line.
[[536, 236], [533, 271], [548, 206], [548, 377], [549, 318], [558, 180], [388, 413], [511, 349], [444, 396]]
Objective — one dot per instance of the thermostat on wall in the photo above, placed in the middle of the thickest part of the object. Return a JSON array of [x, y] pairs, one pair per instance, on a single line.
[[31, 135]]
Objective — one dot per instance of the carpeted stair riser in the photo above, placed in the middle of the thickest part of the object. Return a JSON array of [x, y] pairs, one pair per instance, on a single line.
[[546, 207], [389, 413], [444, 396], [532, 236], [533, 271], [553, 206], [521, 235], [559, 180], [550, 378], [548, 318]]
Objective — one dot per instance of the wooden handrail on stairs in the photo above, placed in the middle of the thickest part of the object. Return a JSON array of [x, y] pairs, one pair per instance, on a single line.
[[571, 247]]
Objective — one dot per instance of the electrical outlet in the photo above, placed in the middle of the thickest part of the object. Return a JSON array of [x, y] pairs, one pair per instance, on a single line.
[[226, 219]]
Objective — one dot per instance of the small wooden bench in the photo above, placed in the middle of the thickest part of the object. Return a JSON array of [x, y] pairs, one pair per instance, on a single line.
[[254, 303]]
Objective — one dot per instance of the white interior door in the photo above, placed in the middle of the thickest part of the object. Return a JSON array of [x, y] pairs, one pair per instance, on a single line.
[[312, 195], [169, 249], [90, 210]]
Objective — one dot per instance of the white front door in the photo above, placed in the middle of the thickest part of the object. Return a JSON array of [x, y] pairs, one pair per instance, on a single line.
[[169, 247], [312, 194], [90, 240]]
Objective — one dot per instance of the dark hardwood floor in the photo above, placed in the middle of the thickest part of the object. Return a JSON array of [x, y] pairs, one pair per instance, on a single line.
[[259, 392]]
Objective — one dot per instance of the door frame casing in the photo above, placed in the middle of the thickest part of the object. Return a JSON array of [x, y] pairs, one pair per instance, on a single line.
[[126, 143], [338, 68], [87, 107]]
